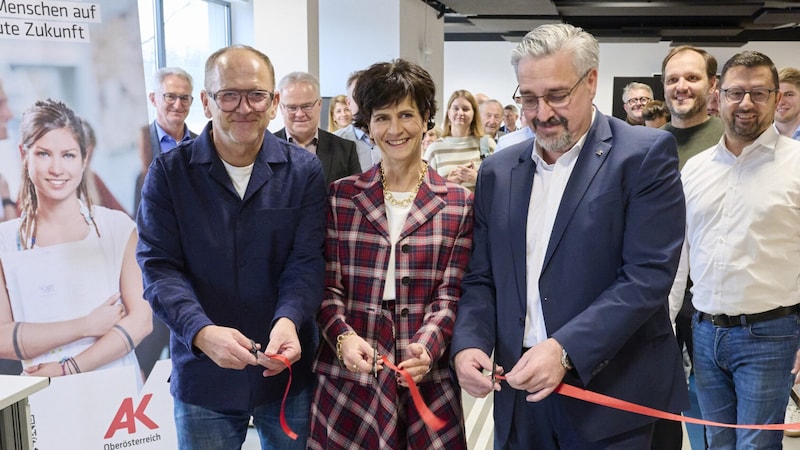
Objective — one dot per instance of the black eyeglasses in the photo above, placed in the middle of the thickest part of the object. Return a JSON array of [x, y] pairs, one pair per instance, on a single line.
[[553, 99], [757, 95], [633, 101], [229, 100], [171, 98]]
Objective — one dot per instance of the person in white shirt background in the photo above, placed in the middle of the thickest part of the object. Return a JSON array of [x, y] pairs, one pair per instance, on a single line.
[[743, 251]]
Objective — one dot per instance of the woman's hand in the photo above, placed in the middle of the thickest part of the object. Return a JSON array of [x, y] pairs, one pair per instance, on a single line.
[[464, 174], [358, 356], [418, 365], [98, 322], [48, 369]]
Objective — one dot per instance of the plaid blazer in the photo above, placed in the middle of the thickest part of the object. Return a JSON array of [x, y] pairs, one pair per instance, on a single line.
[[431, 256]]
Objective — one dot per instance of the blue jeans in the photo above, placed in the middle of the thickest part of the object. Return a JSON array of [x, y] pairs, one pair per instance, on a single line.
[[201, 428], [743, 376]]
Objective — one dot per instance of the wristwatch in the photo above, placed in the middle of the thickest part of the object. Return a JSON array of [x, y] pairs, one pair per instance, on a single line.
[[565, 361]]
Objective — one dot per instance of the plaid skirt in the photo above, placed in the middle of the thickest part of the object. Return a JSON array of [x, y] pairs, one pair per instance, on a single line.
[[348, 415]]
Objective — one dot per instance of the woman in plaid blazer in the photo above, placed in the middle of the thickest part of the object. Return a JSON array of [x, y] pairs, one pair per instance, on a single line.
[[398, 241]]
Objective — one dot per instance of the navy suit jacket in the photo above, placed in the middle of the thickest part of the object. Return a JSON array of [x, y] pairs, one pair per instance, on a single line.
[[338, 155], [607, 272]]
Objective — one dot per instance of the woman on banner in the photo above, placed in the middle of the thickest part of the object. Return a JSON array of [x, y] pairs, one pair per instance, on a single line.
[[71, 291], [463, 145], [398, 240]]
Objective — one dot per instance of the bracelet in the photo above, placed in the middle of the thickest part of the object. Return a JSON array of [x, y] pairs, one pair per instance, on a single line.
[[9, 202], [16, 340], [127, 337], [69, 365], [339, 340]]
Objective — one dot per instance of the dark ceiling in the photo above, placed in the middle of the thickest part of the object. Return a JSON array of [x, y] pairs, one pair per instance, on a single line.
[[703, 22]]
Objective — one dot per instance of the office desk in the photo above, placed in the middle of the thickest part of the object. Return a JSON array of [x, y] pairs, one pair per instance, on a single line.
[[15, 428]]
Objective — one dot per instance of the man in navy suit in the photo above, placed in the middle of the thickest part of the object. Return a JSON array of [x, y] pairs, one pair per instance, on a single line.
[[301, 106], [576, 243]]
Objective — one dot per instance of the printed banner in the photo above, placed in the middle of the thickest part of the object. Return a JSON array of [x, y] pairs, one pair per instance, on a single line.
[[88, 55]]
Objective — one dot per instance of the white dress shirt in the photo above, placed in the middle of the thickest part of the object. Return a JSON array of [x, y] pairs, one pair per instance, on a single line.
[[743, 227], [549, 183]]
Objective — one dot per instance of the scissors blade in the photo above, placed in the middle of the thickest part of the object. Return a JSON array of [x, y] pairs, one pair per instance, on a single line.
[[375, 361]]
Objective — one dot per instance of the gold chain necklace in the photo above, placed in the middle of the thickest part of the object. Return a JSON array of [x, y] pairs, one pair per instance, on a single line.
[[407, 201]]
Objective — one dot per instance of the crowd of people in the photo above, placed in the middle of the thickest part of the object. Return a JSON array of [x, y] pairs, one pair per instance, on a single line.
[[512, 249]]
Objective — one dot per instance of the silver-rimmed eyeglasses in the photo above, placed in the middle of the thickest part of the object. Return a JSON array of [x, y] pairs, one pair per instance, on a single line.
[[757, 95], [306, 107], [553, 99], [185, 100], [228, 100]]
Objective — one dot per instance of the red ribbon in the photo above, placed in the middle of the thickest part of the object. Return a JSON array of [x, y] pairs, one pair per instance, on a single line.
[[285, 425], [611, 402], [425, 413], [569, 390]]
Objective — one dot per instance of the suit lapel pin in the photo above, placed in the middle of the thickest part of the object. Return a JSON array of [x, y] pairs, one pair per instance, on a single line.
[[599, 153]]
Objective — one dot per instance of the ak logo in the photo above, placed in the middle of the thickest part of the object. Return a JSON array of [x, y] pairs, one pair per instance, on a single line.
[[126, 417]]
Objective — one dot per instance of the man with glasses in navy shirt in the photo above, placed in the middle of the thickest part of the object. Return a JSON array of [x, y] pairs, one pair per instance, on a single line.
[[232, 228]]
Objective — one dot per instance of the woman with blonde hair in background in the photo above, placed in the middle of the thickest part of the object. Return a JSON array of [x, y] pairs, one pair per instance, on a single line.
[[463, 145], [71, 290], [339, 115]]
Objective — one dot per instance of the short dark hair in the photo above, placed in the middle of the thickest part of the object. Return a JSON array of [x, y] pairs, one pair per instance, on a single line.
[[387, 83], [751, 59], [711, 62]]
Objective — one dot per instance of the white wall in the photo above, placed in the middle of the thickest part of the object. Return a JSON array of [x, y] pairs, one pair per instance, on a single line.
[[486, 66], [354, 34]]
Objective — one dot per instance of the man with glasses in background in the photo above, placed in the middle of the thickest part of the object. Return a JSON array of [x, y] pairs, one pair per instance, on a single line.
[[634, 96], [172, 98], [742, 198], [300, 107], [231, 236], [581, 296]]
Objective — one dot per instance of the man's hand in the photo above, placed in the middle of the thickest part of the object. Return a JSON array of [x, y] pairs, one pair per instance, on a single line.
[[283, 341], [227, 347], [470, 364], [538, 371]]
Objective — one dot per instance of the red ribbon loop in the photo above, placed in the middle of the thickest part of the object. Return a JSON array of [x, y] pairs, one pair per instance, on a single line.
[[285, 425], [425, 413]]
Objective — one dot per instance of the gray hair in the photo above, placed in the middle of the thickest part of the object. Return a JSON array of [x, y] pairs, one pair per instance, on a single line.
[[164, 72], [635, 85], [550, 39], [483, 105], [299, 77]]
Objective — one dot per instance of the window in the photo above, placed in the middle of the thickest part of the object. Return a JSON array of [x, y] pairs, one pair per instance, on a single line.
[[191, 30]]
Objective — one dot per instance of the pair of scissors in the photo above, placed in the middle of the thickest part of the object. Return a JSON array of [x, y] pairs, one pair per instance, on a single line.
[[253, 348], [375, 361]]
